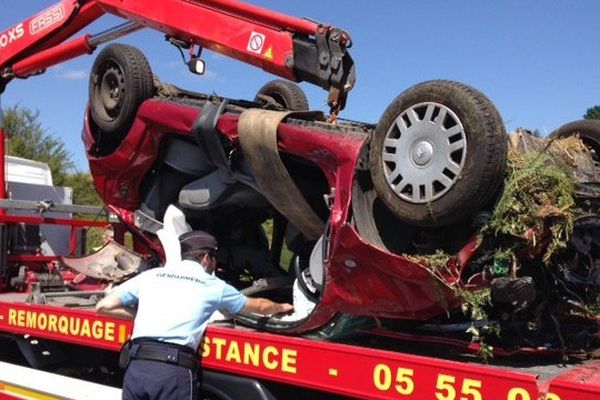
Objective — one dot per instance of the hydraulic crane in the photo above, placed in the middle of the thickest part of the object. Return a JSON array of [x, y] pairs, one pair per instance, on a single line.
[[293, 48]]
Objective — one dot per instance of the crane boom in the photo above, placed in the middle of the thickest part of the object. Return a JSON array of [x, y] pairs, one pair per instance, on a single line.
[[293, 48]]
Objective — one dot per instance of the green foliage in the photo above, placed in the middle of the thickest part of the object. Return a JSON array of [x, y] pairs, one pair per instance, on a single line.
[[595, 306], [286, 254], [268, 227], [286, 258], [83, 189], [93, 239], [475, 302], [592, 113], [28, 139], [436, 263], [85, 194], [538, 199]]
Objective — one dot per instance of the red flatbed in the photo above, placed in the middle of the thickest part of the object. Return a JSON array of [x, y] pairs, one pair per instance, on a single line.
[[355, 370]]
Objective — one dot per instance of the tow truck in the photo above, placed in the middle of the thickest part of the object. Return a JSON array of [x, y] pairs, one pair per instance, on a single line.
[[44, 309]]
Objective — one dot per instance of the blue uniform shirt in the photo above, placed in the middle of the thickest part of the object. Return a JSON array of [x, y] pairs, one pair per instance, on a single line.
[[175, 303]]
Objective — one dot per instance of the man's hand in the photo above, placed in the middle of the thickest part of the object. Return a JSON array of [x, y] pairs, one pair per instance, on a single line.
[[284, 308], [259, 305]]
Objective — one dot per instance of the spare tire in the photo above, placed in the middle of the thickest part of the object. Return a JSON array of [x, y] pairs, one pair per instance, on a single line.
[[588, 131], [438, 153], [282, 94], [120, 80]]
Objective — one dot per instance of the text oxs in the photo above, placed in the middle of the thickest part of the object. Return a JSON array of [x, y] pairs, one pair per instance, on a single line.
[[11, 35]]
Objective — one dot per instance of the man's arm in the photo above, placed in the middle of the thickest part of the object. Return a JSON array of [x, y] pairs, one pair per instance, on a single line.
[[260, 305], [234, 302], [111, 305]]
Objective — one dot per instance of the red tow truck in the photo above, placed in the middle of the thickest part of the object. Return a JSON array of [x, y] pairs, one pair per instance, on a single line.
[[350, 257]]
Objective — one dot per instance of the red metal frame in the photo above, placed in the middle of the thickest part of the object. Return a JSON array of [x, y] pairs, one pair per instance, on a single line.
[[461, 345], [31, 258], [39, 220], [56, 55], [2, 158], [355, 371]]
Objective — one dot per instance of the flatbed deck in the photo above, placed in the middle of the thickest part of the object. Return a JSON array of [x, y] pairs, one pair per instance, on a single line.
[[361, 368]]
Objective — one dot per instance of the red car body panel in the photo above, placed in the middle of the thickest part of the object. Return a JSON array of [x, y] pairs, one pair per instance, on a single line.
[[360, 278]]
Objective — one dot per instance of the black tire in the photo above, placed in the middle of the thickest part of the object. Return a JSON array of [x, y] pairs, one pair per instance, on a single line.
[[587, 129], [121, 79], [282, 94], [460, 181]]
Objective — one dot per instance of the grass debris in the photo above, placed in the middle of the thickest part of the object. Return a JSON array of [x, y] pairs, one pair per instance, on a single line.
[[528, 233]]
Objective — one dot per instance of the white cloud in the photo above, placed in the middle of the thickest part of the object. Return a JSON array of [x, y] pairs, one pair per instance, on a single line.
[[74, 74]]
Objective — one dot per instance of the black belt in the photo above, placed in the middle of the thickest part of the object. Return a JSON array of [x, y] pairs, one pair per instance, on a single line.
[[164, 352]]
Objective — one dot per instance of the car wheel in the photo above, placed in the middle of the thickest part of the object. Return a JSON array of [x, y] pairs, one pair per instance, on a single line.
[[121, 79], [587, 129], [282, 94], [438, 153]]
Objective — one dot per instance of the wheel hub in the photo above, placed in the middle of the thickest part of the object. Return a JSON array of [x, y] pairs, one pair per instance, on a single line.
[[111, 90], [421, 153]]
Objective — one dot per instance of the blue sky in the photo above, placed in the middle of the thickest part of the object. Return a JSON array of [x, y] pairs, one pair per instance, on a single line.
[[538, 61]]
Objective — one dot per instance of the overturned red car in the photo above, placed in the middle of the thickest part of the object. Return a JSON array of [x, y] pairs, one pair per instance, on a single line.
[[356, 205]]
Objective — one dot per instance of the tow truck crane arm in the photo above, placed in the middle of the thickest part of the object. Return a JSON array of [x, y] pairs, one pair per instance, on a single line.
[[293, 48]]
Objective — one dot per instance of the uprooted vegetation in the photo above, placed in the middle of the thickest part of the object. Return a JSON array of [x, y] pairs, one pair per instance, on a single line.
[[534, 278]]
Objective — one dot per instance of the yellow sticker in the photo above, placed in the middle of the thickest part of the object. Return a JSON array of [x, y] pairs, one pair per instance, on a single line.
[[268, 54]]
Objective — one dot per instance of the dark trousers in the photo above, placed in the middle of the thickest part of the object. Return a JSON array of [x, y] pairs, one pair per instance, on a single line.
[[155, 380]]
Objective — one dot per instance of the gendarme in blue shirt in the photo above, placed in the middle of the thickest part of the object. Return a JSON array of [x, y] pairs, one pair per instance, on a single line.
[[175, 303]]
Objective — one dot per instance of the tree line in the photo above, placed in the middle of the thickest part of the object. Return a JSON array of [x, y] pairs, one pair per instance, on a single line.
[[592, 113]]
